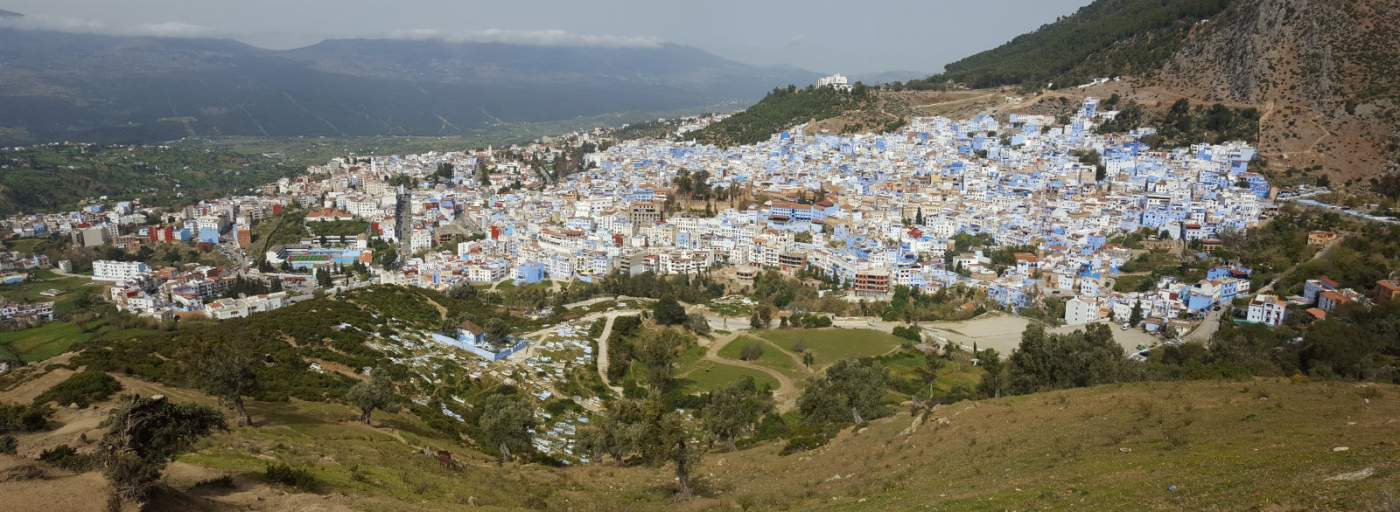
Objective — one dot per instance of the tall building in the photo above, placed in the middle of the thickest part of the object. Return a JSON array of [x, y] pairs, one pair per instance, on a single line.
[[403, 222]]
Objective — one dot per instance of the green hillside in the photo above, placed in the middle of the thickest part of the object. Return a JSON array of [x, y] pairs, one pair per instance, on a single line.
[[1103, 39], [1251, 445], [779, 110]]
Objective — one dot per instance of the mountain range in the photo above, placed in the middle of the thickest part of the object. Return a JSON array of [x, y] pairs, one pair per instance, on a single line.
[[115, 88]]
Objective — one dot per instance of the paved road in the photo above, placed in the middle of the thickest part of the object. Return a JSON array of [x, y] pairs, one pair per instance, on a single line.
[[1206, 329]]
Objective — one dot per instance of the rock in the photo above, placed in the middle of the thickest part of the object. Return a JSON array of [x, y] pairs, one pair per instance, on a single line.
[[1171, 488], [1354, 475], [1340, 449], [1125, 450]]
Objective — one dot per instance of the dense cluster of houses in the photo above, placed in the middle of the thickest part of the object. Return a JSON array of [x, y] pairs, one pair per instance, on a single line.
[[871, 211]]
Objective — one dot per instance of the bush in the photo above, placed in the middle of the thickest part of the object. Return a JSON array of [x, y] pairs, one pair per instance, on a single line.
[[83, 388], [290, 476], [751, 352], [8, 444], [24, 418], [224, 482], [804, 442], [67, 458]]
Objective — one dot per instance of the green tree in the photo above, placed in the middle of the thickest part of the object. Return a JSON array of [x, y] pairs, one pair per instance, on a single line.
[[669, 437], [668, 311], [929, 371], [850, 392], [145, 435], [994, 381], [505, 424], [375, 393], [1135, 317], [1055, 361], [497, 330], [751, 352], [617, 432], [227, 368], [657, 351], [732, 412]]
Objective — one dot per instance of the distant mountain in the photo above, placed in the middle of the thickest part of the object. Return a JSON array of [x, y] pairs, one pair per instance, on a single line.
[[103, 88], [10, 14]]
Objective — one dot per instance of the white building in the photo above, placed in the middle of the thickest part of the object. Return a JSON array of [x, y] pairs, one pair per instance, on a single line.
[[837, 81], [1081, 311], [118, 271], [1266, 309]]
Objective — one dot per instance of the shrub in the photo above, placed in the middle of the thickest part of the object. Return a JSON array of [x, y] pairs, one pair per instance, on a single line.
[[223, 482], [8, 444], [751, 352], [804, 442], [67, 458], [83, 388], [24, 418], [290, 476]]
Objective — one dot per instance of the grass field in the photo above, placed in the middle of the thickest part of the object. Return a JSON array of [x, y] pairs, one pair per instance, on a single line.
[[31, 290], [831, 345], [54, 338], [705, 376], [698, 375], [773, 357]]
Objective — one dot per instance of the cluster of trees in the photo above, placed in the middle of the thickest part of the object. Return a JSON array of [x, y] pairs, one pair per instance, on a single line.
[[850, 392], [682, 287], [1103, 39], [652, 426], [911, 305], [1053, 361], [808, 320], [240, 286], [1182, 125], [648, 432], [780, 109]]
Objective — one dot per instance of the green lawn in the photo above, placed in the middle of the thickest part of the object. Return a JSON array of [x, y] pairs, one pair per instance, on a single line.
[[832, 345], [43, 342], [773, 357], [54, 338], [704, 376]]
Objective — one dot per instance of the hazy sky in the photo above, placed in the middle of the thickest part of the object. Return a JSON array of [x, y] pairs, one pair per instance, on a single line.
[[852, 36]]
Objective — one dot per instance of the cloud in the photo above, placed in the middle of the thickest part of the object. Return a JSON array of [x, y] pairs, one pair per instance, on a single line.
[[86, 26], [178, 29], [528, 38]]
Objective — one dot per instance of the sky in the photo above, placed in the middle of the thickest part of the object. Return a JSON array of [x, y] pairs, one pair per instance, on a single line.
[[848, 36]]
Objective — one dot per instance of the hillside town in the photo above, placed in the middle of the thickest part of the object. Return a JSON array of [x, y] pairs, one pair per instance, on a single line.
[[935, 205]]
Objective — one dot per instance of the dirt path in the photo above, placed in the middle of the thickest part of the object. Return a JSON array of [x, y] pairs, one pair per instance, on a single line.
[[603, 352], [785, 396]]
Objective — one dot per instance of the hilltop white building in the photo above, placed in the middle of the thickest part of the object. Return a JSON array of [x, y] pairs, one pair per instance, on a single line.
[[837, 81]]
